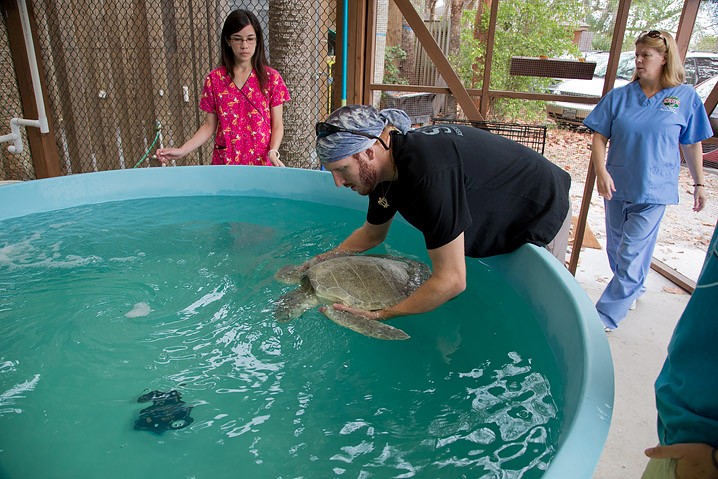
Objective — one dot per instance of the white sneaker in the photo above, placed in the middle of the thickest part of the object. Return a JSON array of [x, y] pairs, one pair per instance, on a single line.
[[607, 329], [633, 305]]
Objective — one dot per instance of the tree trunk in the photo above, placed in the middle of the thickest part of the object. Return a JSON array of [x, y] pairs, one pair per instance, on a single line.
[[454, 46], [294, 27], [408, 39], [393, 29]]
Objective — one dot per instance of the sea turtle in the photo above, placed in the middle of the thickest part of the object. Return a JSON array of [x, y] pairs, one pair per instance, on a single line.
[[367, 282]]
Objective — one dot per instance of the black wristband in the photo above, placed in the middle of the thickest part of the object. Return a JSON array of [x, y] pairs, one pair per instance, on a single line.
[[713, 456], [699, 184]]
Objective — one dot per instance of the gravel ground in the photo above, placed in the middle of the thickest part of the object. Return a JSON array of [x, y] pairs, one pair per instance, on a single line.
[[684, 236]]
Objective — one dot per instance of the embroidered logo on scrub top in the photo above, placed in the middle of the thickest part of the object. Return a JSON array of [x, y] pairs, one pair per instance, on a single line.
[[671, 103]]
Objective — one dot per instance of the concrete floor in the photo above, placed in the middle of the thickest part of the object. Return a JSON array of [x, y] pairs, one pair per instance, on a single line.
[[638, 348]]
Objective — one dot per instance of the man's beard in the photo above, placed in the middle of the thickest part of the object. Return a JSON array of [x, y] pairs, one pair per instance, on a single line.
[[367, 177]]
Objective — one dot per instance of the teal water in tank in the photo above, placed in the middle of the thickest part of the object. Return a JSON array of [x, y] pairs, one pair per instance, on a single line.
[[100, 304]]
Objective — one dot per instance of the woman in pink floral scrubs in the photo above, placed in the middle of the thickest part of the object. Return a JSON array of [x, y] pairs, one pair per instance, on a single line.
[[243, 100]]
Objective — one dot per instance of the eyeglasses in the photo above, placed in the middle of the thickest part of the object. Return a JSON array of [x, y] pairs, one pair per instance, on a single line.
[[240, 40], [325, 129], [654, 34]]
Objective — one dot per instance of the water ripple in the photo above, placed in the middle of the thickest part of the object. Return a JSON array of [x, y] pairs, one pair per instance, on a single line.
[[18, 391]]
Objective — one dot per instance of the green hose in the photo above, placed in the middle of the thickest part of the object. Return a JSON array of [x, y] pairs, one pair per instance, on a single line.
[[158, 127]]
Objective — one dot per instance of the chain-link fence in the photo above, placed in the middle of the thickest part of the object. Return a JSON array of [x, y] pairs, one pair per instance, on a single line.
[[12, 166], [124, 77]]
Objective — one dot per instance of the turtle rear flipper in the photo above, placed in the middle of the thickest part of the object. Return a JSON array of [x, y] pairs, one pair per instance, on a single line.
[[362, 325], [295, 302]]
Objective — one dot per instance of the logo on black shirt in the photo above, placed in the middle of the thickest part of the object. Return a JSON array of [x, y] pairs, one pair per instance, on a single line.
[[438, 129]]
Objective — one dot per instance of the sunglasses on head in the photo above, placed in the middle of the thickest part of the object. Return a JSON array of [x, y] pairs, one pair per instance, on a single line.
[[654, 34], [325, 129]]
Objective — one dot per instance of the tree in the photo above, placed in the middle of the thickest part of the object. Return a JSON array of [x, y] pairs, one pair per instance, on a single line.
[[529, 28], [705, 32], [297, 56], [600, 16]]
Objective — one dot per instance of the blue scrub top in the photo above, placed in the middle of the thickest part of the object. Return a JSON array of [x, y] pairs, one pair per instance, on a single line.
[[687, 387], [643, 155]]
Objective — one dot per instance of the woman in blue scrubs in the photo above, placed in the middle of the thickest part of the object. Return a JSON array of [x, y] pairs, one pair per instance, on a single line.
[[647, 121]]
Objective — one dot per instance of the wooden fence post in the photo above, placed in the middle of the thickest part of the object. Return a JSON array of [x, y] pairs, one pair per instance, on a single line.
[[43, 148]]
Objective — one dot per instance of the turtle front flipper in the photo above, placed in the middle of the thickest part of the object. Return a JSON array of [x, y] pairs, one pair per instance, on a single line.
[[295, 302], [362, 325]]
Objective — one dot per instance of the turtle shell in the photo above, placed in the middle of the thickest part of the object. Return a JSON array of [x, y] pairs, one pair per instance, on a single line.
[[365, 282]]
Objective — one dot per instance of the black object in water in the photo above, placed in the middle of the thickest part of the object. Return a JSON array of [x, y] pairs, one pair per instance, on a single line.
[[168, 411]]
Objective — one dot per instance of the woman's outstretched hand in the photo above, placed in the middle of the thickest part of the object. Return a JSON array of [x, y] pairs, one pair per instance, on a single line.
[[165, 155]]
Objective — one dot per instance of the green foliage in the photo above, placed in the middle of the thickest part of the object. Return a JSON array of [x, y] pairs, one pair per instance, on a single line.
[[600, 16], [706, 44], [392, 73], [529, 28], [534, 28]]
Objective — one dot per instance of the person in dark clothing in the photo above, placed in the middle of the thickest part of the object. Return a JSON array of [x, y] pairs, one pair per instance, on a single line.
[[470, 193], [687, 386]]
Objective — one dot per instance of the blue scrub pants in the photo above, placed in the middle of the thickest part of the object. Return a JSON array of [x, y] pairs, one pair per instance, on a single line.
[[631, 234]]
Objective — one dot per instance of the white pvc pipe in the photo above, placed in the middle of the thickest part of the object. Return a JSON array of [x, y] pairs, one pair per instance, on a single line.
[[41, 122], [15, 125], [32, 60]]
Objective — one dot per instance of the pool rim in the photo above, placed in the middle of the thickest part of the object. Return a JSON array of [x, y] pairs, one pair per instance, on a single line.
[[589, 380]]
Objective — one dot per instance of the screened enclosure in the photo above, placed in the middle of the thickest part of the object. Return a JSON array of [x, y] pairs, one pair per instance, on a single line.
[[123, 77]]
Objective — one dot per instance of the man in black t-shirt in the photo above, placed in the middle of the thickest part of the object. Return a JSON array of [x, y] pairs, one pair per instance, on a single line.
[[469, 192]]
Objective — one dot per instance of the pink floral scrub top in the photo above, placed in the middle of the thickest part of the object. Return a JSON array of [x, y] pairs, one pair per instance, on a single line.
[[244, 125]]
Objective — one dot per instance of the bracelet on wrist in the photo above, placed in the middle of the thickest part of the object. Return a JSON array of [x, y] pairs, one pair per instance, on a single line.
[[699, 184], [277, 152]]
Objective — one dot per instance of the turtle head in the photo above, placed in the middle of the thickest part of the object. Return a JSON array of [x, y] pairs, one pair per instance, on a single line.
[[290, 274]]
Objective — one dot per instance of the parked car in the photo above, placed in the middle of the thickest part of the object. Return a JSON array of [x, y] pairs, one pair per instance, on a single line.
[[699, 66], [710, 146], [703, 90], [598, 56]]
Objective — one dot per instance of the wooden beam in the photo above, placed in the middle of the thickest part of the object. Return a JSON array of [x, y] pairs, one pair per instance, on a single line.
[[369, 50], [43, 148], [711, 100], [492, 93], [356, 54], [437, 56], [619, 31], [486, 84], [541, 96], [683, 282], [685, 25]]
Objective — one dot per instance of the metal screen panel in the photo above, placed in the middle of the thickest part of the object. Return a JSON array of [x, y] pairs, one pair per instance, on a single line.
[[533, 136], [12, 166], [124, 77]]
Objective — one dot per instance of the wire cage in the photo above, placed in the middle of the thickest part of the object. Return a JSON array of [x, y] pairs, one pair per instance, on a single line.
[[710, 154], [533, 136]]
